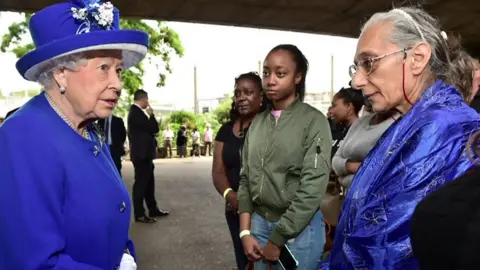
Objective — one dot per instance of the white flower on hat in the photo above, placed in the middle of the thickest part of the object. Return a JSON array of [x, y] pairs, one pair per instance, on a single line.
[[79, 14], [104, 16], [94, 14]]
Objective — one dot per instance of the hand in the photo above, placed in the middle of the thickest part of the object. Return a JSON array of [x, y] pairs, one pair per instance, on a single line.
[[149, 110], [352, 166], [271, 252], [233, 199], [252, 249], [127, 263]]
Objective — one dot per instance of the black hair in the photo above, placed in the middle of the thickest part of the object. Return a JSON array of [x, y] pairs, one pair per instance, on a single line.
[[257, 80], [301, 63], [351, 96], [140, 94]]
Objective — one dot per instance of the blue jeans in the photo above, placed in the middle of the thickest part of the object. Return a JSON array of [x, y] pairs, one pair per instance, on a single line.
[[307, 247]]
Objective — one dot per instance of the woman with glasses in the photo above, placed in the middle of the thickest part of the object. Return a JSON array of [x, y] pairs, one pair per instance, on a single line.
[[403, 61]]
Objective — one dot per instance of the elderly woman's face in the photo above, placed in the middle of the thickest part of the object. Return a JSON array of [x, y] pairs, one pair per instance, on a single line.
[[383, 85], [94, 89]]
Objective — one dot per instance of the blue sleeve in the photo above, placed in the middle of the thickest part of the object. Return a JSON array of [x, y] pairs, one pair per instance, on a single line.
[[32, 231], [131, 249]]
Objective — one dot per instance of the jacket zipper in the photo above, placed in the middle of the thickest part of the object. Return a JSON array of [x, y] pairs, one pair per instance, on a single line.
[[261, 184], [318, 150], [263, 164]]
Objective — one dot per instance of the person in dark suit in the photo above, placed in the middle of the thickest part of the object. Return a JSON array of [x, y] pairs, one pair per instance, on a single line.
[[115, 135], [142, 130]]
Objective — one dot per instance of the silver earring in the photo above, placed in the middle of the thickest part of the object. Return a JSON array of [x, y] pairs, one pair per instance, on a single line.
[[62, 90]]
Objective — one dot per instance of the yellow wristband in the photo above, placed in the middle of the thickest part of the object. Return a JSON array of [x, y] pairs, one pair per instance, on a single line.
[[244, 233], [225, 193]]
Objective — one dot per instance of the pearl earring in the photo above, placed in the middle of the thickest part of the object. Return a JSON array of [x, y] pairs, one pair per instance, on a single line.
[[62, 90]]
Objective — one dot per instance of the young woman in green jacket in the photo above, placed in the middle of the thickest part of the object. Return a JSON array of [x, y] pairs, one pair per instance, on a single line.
[[285, 168]]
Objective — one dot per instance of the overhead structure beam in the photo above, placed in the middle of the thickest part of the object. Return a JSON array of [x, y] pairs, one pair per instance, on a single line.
[[340, 17]]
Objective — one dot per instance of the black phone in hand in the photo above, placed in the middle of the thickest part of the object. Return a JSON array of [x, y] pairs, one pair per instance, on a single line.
[[286, 260]]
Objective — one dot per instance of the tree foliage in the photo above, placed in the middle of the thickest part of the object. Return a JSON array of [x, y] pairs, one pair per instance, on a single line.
[[13, 38], [191, 121], [222, 112], [164, 43]]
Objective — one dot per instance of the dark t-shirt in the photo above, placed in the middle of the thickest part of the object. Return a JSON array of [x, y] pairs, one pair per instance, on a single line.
[[181, 138], [338, 134], [231, 154]]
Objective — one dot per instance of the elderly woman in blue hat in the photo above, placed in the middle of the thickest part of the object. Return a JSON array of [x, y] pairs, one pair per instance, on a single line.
[[63, 204]]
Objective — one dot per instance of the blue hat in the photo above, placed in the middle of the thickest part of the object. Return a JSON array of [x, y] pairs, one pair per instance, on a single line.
[[79, 26]]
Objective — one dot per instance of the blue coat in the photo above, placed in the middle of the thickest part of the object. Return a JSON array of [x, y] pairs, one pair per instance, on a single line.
[[61, 206]]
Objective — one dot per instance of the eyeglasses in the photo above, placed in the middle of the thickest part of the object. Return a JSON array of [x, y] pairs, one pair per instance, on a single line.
[[366, 65]]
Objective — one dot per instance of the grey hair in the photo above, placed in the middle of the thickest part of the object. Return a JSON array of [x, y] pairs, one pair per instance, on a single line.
[[412, 25], [70, 62]]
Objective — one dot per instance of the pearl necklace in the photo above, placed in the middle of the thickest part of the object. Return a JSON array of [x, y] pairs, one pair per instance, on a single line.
[[83, 132]]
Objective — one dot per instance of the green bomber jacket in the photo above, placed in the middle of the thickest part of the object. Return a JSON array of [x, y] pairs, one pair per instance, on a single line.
[[285, 168]]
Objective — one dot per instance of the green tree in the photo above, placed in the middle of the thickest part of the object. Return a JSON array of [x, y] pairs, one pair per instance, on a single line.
[[222, 112], [164, 43]]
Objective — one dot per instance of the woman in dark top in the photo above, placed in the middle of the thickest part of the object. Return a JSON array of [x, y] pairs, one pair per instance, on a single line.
[[248, 101], [445, 227], [346, 104]]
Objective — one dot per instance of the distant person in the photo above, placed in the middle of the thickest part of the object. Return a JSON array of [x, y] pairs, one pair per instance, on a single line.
[[208, 139], [115, 135], [168, 140], [195, 143], [182, 142], [142, 129]]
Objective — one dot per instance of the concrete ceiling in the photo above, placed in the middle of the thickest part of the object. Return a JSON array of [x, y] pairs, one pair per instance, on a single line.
[[334, 17]]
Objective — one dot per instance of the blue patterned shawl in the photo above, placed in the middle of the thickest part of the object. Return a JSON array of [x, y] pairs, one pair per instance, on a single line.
[[416, 155]]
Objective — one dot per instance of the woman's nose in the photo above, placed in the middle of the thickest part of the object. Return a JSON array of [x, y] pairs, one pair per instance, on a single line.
[[117, 82], [359, 80]]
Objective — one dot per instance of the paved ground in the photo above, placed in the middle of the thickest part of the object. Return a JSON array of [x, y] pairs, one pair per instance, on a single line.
[[195, 235]]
